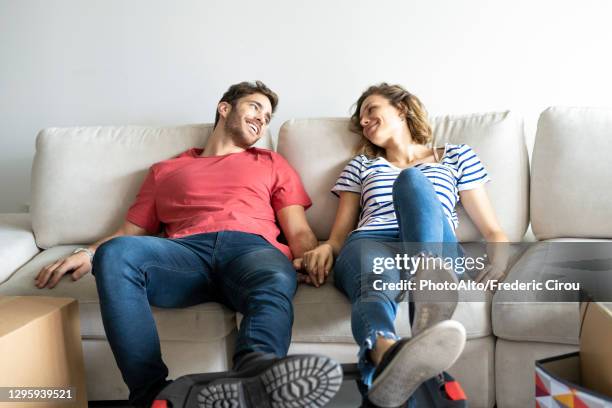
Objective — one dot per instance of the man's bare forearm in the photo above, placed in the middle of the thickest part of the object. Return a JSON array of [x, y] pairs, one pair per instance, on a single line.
[[302, 242]]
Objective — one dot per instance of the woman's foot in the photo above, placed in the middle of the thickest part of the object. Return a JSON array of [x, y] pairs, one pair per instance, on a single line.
[[409, 362], [432, 305], [382, 345]]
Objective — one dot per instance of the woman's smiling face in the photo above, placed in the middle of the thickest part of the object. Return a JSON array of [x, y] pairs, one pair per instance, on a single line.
[[381, 121]]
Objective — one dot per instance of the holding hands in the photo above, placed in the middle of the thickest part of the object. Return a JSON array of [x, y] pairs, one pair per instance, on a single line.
[[314, 265]]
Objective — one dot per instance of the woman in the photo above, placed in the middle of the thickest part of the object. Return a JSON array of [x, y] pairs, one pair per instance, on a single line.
[[397, 190]]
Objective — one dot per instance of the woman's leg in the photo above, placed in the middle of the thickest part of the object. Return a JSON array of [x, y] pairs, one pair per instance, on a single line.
[[424, 228], [372, 311], [420, 215]]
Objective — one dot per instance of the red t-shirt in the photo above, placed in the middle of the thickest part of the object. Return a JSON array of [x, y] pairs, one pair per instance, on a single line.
[[243, 191]]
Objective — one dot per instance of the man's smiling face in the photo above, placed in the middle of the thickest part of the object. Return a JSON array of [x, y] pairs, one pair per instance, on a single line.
[[248, 119]]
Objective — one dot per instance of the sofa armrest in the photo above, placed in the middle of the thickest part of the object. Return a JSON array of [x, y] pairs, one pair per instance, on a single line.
[[17, 244]]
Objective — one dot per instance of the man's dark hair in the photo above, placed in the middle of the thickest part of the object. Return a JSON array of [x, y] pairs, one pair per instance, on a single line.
[[237, 91]]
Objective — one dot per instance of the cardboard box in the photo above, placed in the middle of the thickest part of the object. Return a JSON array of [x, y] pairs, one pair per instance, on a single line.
[[40, 349], [596, 348], [580, 379]]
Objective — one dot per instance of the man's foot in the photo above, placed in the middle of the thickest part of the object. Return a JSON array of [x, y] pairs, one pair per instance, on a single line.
[[433, 306], [290, 382], [409, 362]]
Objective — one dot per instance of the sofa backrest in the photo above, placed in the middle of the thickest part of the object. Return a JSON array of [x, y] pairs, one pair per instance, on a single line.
[[85, 178], [571, 188], [320, 148]]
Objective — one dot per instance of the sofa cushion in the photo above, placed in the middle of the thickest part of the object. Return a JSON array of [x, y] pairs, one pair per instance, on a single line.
[[104, 381], [319, 149], [84, 179], [323, 315], [17, 245], [545, 316], [204, 322], [571, 165]]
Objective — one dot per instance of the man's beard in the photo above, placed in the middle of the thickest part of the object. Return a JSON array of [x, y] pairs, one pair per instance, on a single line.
[[233, 127]]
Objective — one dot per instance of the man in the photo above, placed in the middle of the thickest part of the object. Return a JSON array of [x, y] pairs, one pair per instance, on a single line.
[[219, 207]]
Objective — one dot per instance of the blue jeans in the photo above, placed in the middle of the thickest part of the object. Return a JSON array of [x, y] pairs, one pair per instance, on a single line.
[[423, 227], [240, 270]]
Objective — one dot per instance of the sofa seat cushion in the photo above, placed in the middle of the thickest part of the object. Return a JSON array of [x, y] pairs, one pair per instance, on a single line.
[[544, 316], [17, 245], [323, 315], [200, 323]]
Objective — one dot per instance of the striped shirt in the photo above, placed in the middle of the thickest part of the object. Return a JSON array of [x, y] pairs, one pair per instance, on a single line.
[[459, 169]]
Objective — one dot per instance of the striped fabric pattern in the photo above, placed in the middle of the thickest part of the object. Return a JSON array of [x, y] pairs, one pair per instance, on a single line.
[[459, 169]]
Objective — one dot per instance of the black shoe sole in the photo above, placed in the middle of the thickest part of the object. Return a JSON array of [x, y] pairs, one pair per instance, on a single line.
[[292, 382]]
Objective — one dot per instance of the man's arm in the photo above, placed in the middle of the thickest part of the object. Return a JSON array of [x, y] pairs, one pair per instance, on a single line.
[[292, 220], [79, 263]]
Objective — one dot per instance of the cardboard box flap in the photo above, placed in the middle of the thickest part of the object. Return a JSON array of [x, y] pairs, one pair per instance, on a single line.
[[19, 311], [595, 348]]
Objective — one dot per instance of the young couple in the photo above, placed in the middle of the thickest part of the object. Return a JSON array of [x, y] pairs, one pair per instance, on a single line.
[[221, 207]]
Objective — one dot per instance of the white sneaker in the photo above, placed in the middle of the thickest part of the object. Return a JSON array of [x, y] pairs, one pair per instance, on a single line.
[[410, 362]]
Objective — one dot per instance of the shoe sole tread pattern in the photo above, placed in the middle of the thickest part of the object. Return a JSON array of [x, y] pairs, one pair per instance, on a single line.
[[298, 381], [426, 355]]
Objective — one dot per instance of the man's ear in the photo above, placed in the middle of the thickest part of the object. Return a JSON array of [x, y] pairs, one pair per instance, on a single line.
[[224, 109]]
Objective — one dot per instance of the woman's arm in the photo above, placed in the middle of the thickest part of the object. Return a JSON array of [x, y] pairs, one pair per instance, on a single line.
[[319, 261], [478, 206], [346, 220]]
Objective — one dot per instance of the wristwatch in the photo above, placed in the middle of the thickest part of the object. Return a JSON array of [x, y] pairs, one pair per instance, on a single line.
[[87, 251]]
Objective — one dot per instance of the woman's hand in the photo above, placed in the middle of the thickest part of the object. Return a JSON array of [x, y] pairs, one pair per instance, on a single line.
[[478, 206], [499, 255], [314, 265], [493, 271], [317, 264]]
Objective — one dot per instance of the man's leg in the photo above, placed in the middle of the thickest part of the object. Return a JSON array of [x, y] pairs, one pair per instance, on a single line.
[[131, 273], [258, 281]]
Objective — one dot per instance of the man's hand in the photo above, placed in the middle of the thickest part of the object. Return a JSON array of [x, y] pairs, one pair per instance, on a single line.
[[317, 264], [302, 275], [49, 276], [80, 263]]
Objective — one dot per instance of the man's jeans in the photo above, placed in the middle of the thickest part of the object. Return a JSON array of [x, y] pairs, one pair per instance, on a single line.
[[423, 227], [240, 270]]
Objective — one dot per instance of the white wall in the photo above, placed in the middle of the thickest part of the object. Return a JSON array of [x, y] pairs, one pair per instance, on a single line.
[[153, 62]]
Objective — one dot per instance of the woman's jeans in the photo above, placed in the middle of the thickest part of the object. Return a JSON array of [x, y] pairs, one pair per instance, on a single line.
[[423, 227], [240, 270]]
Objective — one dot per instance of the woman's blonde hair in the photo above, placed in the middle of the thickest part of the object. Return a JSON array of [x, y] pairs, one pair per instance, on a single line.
[[408, 104]]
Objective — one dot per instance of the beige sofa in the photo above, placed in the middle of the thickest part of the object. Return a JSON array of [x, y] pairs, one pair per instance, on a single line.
[[84, 179]]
